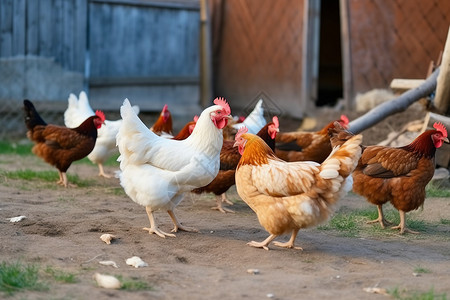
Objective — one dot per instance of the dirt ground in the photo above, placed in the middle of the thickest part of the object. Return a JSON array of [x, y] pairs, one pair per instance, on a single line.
[[62, 229]]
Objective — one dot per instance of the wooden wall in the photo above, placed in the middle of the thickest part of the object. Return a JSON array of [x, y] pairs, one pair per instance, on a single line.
[[48, 28], [146, 50], [257, 52], [392, 39]]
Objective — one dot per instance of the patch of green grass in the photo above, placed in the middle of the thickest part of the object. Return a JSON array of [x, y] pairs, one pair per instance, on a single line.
[[49, 176], [134, 284], [445, 221], [434, 191], [7, 147], [60, 276], [16, 277], [344, 223], [405, 295], [353, 223], [421, 270], [119, 191], [112, 161]]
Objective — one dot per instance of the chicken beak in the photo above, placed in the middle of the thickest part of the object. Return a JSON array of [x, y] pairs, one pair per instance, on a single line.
[[446, 140]]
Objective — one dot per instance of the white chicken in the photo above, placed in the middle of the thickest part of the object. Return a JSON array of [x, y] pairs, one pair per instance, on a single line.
[[157, 172], [255, 120], [77, 111]]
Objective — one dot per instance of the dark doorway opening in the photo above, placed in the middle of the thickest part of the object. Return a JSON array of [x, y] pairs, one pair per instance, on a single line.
[[330, 87]]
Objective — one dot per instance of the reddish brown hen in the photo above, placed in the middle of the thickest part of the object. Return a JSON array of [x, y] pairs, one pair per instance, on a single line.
[[58, 145], [186, 131], [398, 175], [306, 146], [229, 159], [163, 125]]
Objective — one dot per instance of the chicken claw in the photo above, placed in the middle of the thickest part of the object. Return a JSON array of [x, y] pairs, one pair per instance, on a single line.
[[178, 226], [289, 244], [402, 225], [262, 244], [220, 207], [158, 232], [258, 245], [101, 171], [383, 222]]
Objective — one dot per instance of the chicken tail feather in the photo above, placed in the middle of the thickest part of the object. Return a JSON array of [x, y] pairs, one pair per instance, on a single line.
[[32, 117], [343, 159]]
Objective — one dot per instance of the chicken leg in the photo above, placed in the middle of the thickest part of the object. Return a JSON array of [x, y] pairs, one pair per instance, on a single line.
[[177, 225], [264, 243], [63, 179], [383, 222], [102, 172], [153, 228], [290, 243], [402, 225], [219, 200]]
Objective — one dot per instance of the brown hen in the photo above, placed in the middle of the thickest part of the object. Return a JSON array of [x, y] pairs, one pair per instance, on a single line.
[[398, 175]]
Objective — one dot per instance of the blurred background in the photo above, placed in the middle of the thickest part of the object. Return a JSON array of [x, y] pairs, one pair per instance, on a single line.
[[298, 55]]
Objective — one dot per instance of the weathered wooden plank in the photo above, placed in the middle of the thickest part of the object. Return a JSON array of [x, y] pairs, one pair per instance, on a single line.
[[67, 38], [18, 32], [32, 27], [120, 81], [402, 85], [191, 5], [57, 31], [167, 47], [79, 22], [6, 28], [346, 46], [45, 28], [442, 99]]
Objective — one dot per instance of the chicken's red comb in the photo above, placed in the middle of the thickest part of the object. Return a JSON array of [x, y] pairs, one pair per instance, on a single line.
[[100, 114], [275, 121], [441, 128], [195, 118], [165, 107], [222, 102], [240, 132], [344, 119]]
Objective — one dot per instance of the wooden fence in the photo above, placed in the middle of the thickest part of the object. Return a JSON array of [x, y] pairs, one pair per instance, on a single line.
[[145, 50]]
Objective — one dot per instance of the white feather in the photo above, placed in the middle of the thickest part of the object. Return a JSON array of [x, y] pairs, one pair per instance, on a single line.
[[79, 110], [255, 120]]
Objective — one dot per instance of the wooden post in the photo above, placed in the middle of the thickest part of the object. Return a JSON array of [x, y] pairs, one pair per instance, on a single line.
[[205, 57], [347, 74], [442, 99]]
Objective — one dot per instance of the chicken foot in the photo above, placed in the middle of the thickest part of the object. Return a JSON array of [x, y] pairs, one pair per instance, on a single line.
[[101, 171], [153, 228], [383, 222], [177, 225], [264, 243], [219, 207], [63, 179], [290, 243], [402, 225]]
